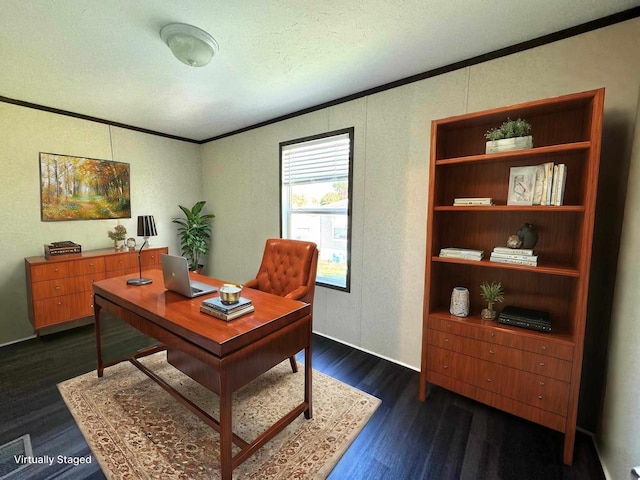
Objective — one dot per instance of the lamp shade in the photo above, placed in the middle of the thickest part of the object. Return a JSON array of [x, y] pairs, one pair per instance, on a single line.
[[189, 44], [146, 226]]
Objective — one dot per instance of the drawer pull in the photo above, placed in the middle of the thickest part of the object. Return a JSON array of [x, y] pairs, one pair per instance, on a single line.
[[55, 269], [59, 303], [445, 366], [57, 287], [542, 384], [446, 340], [540, 397], [492, 352], [489, 380], [544, 347], [493, 334], [542, 364], [448, 325]]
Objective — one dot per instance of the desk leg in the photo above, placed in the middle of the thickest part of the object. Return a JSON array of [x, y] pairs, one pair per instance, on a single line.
[[96, 310], [226, 425], [308, 413]]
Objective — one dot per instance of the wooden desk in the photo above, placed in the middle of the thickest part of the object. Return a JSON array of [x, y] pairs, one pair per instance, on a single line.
[[223, 356]]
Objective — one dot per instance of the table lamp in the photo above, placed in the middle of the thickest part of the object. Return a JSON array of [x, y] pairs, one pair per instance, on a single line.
[[146, 229]]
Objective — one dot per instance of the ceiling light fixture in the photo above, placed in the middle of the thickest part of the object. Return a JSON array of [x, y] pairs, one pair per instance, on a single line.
[[189, 44]]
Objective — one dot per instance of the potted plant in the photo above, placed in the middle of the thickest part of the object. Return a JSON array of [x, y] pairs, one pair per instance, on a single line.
[[492, 293], [195, 232], [511, 135], [118, 235]]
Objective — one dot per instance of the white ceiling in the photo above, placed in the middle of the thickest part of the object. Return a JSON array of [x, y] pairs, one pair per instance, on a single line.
[[105, 58]]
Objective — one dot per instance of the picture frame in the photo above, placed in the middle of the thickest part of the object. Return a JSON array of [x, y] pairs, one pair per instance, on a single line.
[[522, 185], [81, 188]]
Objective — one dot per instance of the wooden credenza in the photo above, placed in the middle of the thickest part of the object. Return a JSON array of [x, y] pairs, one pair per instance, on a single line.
[[59, 289]]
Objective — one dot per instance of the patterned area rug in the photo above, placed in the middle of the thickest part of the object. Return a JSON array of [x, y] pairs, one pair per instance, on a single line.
[[137, 430]]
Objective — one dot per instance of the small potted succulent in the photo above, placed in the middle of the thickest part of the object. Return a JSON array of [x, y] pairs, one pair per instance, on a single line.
[[118, 236], [492, 293], [511, 135]]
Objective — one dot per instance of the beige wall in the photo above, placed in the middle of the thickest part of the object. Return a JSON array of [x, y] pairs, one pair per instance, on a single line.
[[163, 172], [383, 311]]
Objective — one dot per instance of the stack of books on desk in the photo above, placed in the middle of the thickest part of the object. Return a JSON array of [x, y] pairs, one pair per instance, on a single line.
[[463, 253], [515, 256], [215, 308]]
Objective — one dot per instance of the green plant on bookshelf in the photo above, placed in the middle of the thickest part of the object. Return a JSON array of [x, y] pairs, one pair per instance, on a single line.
[[491, 293], [509, 129]]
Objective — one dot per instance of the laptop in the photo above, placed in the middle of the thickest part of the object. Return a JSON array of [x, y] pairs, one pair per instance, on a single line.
[[175, 272]]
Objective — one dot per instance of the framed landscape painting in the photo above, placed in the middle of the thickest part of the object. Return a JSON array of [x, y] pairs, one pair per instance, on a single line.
[[78, 188]]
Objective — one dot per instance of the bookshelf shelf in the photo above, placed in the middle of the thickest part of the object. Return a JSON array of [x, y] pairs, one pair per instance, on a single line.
[[457, 352]]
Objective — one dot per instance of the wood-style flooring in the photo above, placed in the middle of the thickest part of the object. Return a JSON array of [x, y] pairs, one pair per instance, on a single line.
[[446, 437]]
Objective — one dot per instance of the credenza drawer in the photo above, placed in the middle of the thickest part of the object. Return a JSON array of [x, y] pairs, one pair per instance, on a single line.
[[496, 334], [495, 352], [63, 308], [123, 261], [64, 286], [537, 390]]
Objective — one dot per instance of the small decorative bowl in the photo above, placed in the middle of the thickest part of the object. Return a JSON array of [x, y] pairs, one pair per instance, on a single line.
[[230, 293]]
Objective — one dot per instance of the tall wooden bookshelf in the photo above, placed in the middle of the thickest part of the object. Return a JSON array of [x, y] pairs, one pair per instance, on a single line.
[[532, 374]]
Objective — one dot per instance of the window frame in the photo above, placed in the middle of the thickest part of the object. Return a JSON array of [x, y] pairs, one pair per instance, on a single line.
[[350, 131]]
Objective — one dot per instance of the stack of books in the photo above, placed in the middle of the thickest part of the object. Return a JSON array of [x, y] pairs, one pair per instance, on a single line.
[[515, 256], [472, 201], [551, 179], [215, 308], [61, 248], [464, 253]]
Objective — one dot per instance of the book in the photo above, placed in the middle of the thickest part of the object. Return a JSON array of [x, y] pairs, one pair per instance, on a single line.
[[554, 190], [226, 316], [463, 253], [513, 261], [514, 251], [549, 178], [61, 248], [562, 181], [217, 304], [514, 256], [473, 201]]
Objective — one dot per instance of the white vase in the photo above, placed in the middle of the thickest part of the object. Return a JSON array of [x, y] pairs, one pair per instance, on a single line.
[[459, 302], [508, 144]]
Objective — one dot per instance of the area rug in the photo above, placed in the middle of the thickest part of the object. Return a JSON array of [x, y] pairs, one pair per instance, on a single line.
[[136, 430]]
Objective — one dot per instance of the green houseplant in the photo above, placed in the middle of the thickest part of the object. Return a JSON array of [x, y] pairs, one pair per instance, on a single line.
[[511, 135], [194, 232], [492, 293], [118, 235]]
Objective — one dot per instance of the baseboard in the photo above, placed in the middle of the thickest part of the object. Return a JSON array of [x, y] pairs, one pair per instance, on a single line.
[[607, 475], [17, 341], [410, 367]]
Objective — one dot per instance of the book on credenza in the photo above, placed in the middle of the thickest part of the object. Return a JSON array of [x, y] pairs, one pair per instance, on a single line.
[[227, 316], [463, 253], [473, 201]]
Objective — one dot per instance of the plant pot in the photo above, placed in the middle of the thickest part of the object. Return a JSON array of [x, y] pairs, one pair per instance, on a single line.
[[487, 314], [509, 144], [119, 244]]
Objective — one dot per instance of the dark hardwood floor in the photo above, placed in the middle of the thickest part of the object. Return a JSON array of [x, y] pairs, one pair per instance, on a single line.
[[446, 437]]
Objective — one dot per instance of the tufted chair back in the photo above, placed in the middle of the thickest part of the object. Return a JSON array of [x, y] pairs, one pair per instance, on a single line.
[[288, 269]]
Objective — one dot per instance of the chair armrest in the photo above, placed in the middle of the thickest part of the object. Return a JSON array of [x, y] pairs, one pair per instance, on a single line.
[[253, 283], [298, 293]]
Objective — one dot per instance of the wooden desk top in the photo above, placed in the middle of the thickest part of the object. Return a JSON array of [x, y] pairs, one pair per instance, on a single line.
[[182, 315]]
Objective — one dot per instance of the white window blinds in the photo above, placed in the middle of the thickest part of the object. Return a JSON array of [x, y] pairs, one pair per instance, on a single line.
[[321, 160]]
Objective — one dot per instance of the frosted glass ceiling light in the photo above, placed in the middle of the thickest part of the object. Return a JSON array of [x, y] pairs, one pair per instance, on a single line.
[[189, 44]]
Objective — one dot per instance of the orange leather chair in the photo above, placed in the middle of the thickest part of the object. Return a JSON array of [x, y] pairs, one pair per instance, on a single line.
[[288, 269]]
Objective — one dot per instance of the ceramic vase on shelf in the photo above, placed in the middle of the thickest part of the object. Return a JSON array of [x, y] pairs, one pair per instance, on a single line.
[[529, 235], [459, 302]]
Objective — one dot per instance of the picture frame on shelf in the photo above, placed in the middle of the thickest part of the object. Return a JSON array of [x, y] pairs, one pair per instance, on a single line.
[[522, 185]]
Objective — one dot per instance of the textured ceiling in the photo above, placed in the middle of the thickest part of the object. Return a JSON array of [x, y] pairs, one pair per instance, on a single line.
[[105, 59]]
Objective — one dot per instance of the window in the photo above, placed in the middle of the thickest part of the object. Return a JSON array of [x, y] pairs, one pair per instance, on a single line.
[[315, 183]]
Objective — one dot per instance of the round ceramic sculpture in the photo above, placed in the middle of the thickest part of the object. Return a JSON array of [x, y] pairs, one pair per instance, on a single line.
[[529, 235], [459, 302]]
